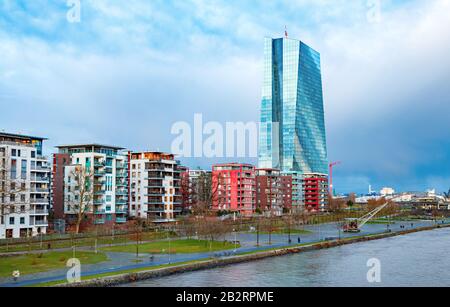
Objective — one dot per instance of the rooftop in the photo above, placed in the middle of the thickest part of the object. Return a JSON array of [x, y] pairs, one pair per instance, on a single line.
[[90, 145], [20, 136]]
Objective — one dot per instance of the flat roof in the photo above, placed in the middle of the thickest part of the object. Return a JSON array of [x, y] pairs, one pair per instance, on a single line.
[[90, 145], [22, 136]]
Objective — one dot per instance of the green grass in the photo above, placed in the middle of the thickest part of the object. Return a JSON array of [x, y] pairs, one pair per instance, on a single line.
[[175, 246], [29, 264], [56, 243]]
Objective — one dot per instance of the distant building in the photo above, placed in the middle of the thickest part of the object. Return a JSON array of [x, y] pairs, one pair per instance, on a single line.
[[234, 188], [387, 192], [109, 168], [155, 183], [24, 186]]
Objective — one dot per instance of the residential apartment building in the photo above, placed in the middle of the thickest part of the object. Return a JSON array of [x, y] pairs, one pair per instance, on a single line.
[[273, 191], [155, 187], [315, 192], [196, 187], [234, 188], [24, 186], [107, 169]]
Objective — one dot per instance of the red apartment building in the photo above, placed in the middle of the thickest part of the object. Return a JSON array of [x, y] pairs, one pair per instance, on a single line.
[[234, 188], [315, 192], [60, 161]]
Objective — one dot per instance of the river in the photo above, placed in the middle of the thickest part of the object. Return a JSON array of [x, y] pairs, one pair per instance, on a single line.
[[419, 259]]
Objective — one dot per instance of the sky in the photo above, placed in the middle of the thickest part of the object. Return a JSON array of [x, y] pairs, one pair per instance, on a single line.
[[128, 70]]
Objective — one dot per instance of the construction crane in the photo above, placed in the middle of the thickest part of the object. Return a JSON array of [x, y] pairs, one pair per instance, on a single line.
[[332, 165], [355, 225]]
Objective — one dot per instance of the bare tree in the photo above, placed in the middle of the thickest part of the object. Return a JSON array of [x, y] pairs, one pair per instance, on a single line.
[[335, 204], [80, 194]]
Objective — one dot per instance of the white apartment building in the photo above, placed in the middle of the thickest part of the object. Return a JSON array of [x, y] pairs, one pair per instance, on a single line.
[[24, 186], [107, 168], [154, 187]]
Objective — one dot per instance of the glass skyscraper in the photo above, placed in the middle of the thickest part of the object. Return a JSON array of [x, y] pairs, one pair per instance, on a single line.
[[292, 134]]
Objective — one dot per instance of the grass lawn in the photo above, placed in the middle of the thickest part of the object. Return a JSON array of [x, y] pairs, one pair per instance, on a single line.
[[29, 264], [176, 246]]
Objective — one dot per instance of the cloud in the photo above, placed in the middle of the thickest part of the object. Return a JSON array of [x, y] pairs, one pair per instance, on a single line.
[[130, 69]]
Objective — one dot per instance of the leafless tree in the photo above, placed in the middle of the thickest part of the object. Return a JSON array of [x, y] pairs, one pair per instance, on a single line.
[[80, 196]]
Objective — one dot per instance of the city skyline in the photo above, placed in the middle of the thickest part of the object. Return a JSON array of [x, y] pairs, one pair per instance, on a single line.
[[386, 119]]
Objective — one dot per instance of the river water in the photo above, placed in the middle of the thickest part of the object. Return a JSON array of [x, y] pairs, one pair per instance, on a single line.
[[419, 259]]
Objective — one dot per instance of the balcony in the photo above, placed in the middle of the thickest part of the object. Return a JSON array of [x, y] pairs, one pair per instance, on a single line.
[[39, 201], [120, 165], [121, 220], [99, 173], [39, 212], [39, 179], [99, 164], [100, 212], [39, 223], [122, 192], [121, 175], [39, 168], [121, 202], [121, 211], [99, 221], [39, 190]]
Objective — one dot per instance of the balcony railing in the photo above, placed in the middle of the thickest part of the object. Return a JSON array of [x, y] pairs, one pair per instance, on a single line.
[[39, 212], [39, 201], [121, 220], [99, 221]]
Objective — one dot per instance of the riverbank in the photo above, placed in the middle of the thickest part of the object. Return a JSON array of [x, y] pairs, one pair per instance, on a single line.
[[129, 277]]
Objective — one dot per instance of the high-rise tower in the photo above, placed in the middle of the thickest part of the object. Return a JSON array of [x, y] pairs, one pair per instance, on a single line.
[[292, 136]]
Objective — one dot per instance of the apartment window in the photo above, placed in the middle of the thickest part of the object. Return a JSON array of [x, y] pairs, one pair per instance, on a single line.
[[24, 169], [11, 221], [22, 198], [22, 220], [13, 153], [13, 169], [33, 154], [12, 197]]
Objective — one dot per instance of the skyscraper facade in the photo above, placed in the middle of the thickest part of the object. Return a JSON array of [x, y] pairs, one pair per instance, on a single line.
[[292, 135]]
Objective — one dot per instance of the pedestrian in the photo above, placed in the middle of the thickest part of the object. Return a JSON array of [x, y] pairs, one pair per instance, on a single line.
[[299, 240]]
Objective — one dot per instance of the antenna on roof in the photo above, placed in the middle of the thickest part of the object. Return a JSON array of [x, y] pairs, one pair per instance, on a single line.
[[285, 32]]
